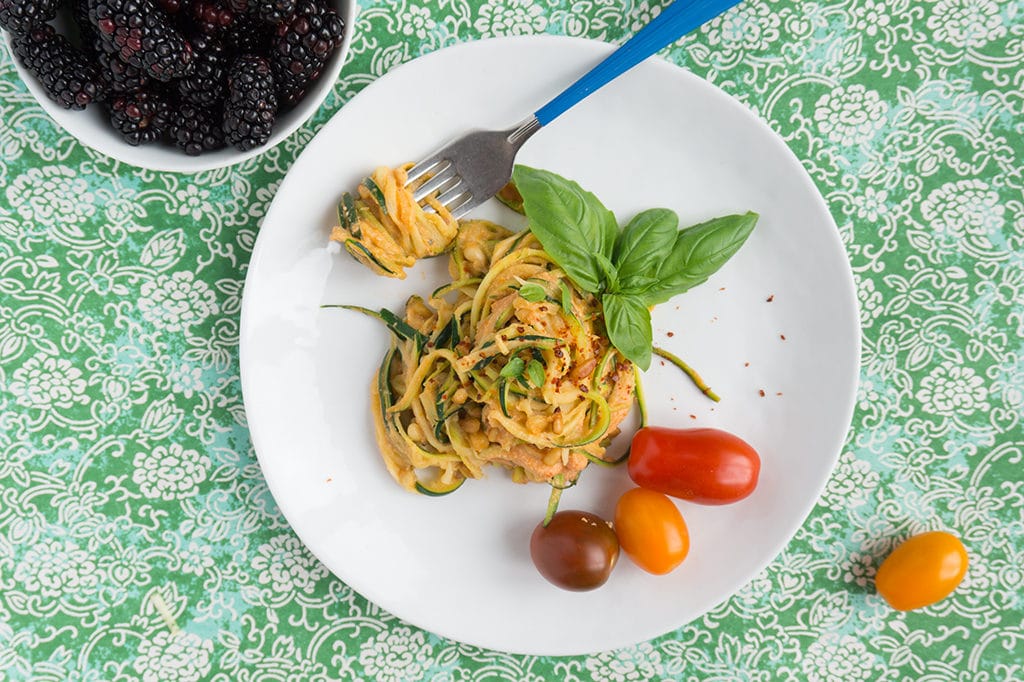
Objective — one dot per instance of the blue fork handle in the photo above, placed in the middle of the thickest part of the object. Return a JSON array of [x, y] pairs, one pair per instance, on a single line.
[[675, 21]]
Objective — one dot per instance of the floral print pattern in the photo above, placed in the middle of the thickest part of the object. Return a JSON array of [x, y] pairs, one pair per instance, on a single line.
[[850, 115], [139, 541], [634, 664], [837, 657], [54, 568], [952, 389], [51, 194], [396, 655], [511, 18], [47, 382], [173, 657], [751, 28], [966, 213], [966, 23], [175, 302], [286, 567], [170, 472]]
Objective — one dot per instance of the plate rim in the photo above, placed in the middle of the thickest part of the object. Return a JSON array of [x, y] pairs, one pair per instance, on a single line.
[[849, 290]]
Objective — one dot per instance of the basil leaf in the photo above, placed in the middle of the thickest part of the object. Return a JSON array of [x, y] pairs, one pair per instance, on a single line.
[[567, 300], [610, 274], [532, 292], [569, 222], [698, 253], [513, 368], [644, 244], [638, 285], [628, 323], [535, 371]]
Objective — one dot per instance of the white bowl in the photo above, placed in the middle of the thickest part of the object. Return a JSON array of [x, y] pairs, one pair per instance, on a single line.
[[92, 126]]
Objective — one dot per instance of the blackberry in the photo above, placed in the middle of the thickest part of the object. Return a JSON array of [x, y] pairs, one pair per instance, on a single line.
[[302, 46], [270, 11], [65, 72], [140, 117], [121, 77], [195, 130], [211, 17], [251, 107], [86, 32], [143, 36], [274, 11], [248, 35], [173, 7], [18, 16], [205, 86]]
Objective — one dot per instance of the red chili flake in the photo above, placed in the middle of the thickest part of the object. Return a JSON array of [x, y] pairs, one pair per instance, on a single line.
[[746, 364], [543, 308], [771, 298], [662, 363], [693, 416], [670, 334], [782, 336], [779, 393], [721, 288], [329, 479], [521, 330], [584, 389], [558, 352], [761, 393]]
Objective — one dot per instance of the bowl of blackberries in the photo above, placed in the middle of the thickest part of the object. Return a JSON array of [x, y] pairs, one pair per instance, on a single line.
[[179, 85]]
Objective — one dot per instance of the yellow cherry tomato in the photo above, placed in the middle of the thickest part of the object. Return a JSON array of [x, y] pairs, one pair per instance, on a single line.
[[651, 530], [923, 570]]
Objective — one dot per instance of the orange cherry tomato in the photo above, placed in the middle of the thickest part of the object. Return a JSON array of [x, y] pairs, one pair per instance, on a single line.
[[923, 570], [651, 530]]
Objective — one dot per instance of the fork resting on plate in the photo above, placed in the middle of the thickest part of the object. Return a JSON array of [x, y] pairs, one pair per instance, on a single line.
[[473, 168]]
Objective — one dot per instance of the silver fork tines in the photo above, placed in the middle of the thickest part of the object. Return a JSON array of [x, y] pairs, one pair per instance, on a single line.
[[444, 175], [470, 170]]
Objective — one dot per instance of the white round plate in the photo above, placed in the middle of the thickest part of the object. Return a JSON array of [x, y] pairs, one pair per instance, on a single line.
[[459, 565]]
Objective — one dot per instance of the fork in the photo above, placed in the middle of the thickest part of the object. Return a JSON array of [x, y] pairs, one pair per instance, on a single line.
[[473, 168]]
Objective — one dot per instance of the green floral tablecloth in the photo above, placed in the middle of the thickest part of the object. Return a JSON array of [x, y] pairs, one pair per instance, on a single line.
[[137, 536]]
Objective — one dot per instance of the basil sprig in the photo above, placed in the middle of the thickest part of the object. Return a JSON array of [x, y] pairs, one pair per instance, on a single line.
[[646, 263], [572, 224]]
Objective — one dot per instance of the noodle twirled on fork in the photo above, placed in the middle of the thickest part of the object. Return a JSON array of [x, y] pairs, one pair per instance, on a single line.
[[386, 230]]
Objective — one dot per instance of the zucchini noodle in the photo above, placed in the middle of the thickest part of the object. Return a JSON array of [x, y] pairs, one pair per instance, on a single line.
[[479, 375], [385, 229]]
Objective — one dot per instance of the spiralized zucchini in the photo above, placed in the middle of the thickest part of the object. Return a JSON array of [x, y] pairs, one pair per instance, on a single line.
[[385, 229], [457, 391]]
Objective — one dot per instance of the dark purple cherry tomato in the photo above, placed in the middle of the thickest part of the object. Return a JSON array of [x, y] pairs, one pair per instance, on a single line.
[[576, 551]]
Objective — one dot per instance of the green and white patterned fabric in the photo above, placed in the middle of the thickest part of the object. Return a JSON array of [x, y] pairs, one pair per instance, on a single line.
[[138, 540]]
